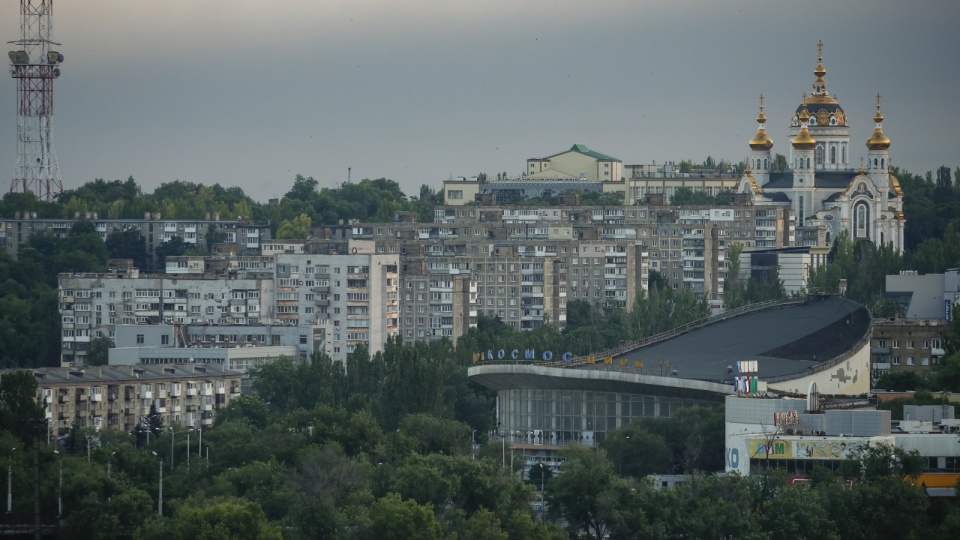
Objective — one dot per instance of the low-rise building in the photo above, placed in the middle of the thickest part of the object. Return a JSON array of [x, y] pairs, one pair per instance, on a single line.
[[118, 397], [797, 434]]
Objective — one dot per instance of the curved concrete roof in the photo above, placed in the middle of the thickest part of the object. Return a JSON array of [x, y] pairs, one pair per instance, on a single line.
[[785, 340], [511, 376]]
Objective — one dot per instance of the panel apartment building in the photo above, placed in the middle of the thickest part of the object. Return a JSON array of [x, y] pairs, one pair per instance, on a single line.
[[351, 297], [523, 264]]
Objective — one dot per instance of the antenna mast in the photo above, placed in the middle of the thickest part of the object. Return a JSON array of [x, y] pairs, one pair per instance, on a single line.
[[35, 65]]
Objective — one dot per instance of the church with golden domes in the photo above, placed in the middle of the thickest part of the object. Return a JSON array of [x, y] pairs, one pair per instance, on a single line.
[[826, 192]]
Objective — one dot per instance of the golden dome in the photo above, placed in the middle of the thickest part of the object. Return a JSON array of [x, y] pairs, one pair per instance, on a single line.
[[761, 141], [878, 141], [803, 140]]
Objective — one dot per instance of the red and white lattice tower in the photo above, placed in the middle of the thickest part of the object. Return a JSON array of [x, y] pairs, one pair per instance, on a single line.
[[35, 65]]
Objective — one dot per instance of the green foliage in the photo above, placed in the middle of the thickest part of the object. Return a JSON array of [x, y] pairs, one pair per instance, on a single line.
[[128, 243], [865, 266], [687, 197], [663, 310], [22, 415], [99, 351], [779, 163], [216, 519], [580, 495], [173, 247], [392, 518], [297, 228]]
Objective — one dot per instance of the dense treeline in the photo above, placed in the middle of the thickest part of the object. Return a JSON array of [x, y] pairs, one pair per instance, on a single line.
[[870, 497], [277, 470], [367, 201]]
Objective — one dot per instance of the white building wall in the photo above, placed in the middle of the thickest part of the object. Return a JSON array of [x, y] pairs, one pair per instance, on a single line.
[[850, 377]]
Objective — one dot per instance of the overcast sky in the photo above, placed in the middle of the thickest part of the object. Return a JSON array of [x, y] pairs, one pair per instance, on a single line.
[[250, 93]]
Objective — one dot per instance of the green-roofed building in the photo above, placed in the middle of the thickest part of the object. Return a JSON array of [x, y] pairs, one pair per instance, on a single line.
[[579, 162]]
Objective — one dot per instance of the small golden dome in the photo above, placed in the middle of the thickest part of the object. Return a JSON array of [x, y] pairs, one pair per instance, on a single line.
[[878, 141], [761, 141], [803, 140]]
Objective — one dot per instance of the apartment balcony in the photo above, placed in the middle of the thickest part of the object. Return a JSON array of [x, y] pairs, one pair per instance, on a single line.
[[937, 351], [191, 391]]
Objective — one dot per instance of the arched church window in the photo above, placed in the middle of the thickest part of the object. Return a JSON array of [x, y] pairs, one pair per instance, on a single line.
[[833, 155], [874, 162], [843, 153], [819, 154], [882, 163], [808, 163], [862, 217], [765, 163]]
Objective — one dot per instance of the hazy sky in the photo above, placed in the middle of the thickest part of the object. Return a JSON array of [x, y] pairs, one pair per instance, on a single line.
[[252, 92]]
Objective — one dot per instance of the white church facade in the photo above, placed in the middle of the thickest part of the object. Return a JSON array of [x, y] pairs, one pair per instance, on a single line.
[[826, 193]]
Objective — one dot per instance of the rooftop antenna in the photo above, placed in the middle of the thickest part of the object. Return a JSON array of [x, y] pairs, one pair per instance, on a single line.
[[348, 174], [35, 65]]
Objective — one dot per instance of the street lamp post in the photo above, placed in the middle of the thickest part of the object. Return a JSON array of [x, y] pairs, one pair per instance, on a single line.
[[60, 486], [10, 481], [160, 492], [473, 447], [173, 438], [188, 450], [541, 492]]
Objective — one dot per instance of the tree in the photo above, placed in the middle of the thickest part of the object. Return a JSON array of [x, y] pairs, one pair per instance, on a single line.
[[99, 351], [580, 495], [174, 247], [392, 518], [149, 428], [128, 243], [219, 519], [733, 294], [297, 228], [304, 189], [779, 163], [20, 411], [637, 453]]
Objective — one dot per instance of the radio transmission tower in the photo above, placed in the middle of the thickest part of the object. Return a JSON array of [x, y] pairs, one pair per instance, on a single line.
[[35, 65]]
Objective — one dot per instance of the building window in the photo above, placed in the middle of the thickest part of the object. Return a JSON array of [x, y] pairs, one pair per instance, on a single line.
[[140, 339]]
